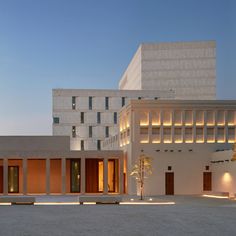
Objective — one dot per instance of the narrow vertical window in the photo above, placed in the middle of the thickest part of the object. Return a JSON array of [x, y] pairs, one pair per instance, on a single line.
[[56, 120], [90, 131], [98, 144], [107, 103], [99, 117], [73, 131], [81, 145], [75, 175], [107, 131], [73, 103], [82, 117], [123, 101], [115, 117], [90, 103]]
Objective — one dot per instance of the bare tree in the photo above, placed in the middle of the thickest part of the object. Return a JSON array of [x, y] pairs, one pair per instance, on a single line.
[[141, 170]]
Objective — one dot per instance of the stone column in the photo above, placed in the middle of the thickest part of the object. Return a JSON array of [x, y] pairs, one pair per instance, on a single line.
[[48, 176], [121, 179], [82, 176], [63, 175], [24, 176], [105, 176], [5, 176]]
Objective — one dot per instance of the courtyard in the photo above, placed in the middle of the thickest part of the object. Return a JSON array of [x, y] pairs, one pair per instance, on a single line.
[[190, 215]]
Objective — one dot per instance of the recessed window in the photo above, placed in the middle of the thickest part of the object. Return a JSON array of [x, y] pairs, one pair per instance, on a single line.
[[90, 103], [107, 131], [90, 131], [82, 117], [56, 120], [139, 98], [99, 117], [82, 145], [123, 101], [115, 117], [73, 103], [107, 103], [169, 168], [73, 131], [207, 167], [98, 144]]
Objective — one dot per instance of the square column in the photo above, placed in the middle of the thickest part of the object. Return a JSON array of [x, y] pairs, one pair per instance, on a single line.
[[82, 176], [5, 176], [63, 175], [47, 176], [121, 179], [105, 176], [24, 176]]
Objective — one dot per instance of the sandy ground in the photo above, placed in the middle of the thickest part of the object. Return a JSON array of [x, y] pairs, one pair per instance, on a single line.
[[190, 216]]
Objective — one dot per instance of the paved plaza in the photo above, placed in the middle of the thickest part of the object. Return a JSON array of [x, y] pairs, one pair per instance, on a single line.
[[189, 216]]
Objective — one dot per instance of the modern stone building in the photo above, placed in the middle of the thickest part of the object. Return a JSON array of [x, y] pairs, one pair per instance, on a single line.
[[165, 109], [181, 137], [46, 165], [188, 68], [89, 116]]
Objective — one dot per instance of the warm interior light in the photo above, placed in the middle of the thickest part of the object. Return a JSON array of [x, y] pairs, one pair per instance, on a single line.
[[188, 141], [56, 203], [199, 141], [220, 141], [211, 141], [167, 141], [143, 124], [231, 141], [144, 141], [188, 124], [200, 124], [178, 124], [156, 123], [220, 124], [167, 124], [179, 141], [230, 124], [156, 141]]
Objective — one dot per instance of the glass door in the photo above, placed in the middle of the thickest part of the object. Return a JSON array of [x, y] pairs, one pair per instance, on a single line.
[[13, 179]]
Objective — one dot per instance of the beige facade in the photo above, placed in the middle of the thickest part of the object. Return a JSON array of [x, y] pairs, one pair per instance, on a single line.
[[180, 136], [188, 68], [45, 165], [89, 116]]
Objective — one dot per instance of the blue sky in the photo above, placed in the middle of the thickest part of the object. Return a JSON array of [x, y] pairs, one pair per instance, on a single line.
[[47, 44]]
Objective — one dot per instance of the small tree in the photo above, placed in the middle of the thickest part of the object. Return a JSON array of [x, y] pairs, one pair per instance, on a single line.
[[141, 170]]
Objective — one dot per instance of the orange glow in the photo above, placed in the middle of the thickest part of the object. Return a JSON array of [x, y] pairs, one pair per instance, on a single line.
[[188, 124], [156, 141], [200, 141], [220, 124], [167, 124], [188, 141], [179, 141], [167, 141], [143, 124], [200, 124], [178, 124], [231, 141], [230, 124], [210, 141], [227, 177], [220, 141], [210, 124], [144, 141], [100, 176], [156, 123]]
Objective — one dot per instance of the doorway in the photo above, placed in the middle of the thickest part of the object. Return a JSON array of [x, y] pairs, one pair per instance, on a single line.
[[13, 179], [169, 183], [207, 181]]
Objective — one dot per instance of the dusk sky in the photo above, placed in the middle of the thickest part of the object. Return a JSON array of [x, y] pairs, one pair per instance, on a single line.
[[48, 44]]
